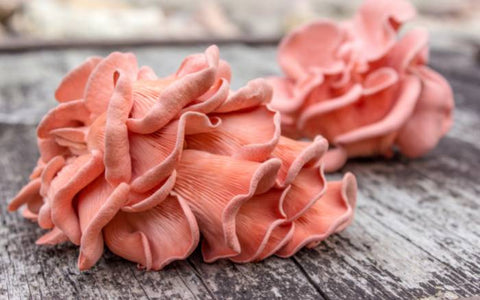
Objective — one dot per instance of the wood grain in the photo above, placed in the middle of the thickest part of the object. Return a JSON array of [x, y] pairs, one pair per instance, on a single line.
[[416, 232]]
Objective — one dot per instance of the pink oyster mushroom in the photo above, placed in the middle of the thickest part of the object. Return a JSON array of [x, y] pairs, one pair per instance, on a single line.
[[145, 165], [361, 87]]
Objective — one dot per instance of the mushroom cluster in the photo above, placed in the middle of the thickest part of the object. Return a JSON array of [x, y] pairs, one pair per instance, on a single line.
[[148, 165], [365, 90]]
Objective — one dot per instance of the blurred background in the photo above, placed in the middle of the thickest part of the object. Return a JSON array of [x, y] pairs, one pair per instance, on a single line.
[[30, 23]]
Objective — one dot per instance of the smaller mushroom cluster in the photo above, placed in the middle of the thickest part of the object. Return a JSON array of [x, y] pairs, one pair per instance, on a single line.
[[363, 88], [148, 165]]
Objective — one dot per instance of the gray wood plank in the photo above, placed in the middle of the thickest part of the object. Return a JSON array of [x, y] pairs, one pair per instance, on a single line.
[[269, 279], [416, 232]]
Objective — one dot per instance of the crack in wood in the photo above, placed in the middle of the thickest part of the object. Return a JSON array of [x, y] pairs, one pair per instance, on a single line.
[[197, 274], [304, 272]]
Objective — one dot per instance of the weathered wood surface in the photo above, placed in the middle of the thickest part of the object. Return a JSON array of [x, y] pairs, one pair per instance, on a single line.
[[416, 233]]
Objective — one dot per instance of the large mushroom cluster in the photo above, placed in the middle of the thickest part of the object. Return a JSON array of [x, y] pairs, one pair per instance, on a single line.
[[148, 166]]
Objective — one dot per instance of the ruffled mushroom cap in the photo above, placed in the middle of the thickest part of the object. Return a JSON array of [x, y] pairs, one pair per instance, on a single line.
[[144, 165], [361, 87]]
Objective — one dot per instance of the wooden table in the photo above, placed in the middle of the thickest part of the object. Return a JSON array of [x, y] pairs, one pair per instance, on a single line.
[[416, 232]]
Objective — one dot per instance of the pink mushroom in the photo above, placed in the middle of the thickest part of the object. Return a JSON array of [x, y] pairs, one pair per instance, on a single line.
[[361, 87], [145, 165]]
